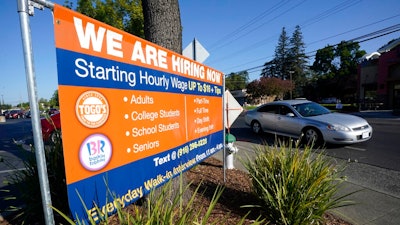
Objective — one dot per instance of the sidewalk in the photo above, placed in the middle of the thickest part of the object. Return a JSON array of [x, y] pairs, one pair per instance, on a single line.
[[387, 114], [378, 202]]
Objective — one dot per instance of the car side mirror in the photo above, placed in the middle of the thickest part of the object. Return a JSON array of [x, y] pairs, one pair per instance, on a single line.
[[290, 114]]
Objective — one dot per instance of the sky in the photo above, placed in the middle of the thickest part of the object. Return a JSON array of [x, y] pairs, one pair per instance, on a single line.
[[239, 35]]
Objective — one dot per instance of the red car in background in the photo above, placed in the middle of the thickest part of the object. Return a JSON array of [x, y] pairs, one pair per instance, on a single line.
[[14, 114], [51, 128]]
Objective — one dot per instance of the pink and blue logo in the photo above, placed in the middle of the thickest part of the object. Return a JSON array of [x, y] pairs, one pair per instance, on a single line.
[[95, 152]]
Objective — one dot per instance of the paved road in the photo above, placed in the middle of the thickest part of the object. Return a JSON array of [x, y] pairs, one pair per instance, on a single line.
[[12, 133], [381, 151]]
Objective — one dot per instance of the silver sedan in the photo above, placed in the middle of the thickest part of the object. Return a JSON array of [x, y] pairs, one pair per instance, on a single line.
[[308, 121]]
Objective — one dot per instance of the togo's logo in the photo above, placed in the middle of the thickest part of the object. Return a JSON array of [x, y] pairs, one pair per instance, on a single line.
[[92, 109]]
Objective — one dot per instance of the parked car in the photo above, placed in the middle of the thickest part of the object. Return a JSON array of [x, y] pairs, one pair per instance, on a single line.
[[15, 114], [28, 114], [308, 121], [52, 111], [331, 100], [51, 128]]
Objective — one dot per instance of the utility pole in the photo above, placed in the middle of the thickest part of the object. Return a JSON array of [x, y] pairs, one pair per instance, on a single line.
[[291, 81], [26, 9]]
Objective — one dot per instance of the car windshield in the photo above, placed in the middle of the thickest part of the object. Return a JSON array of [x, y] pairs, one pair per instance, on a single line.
[[311, 109]]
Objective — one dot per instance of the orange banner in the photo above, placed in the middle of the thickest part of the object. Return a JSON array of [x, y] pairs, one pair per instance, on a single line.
[[83, 34], [133, 114], [139, 124]]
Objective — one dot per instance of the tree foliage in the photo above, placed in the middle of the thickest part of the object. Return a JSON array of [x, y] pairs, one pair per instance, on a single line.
[[298, 61], [336, 67], [5, 106], [125, 15], [54, 102], [236, 81], [278, 67], [282, 56], [323, 64], [290, 60], [269, 86]]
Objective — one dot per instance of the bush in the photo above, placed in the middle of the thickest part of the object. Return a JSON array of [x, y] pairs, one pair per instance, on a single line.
[[295, 187], [162, 206]]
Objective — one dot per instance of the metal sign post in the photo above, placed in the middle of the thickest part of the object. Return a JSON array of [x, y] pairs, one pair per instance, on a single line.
[[196, 51], [25, 10]]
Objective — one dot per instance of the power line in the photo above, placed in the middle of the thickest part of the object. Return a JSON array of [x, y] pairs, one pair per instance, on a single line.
[[363, 38], [256, 28], [388, 18], [227, 39], [337, 8], [358, 28], [247, 25], [370, 36], [377, 32]]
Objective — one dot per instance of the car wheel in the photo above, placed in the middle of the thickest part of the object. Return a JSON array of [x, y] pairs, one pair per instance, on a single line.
[[256, 127], [312, 136]]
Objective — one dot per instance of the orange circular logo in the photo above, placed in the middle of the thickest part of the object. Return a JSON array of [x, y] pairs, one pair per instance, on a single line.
[[92, 109]]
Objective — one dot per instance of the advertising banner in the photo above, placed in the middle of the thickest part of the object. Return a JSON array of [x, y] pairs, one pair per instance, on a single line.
[[133, 114]]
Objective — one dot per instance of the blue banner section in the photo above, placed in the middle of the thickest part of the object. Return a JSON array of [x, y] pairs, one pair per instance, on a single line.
[[79, 69], [137, 179]]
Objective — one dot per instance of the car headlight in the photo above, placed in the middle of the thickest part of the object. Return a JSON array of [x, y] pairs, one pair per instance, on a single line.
[[337, 127]]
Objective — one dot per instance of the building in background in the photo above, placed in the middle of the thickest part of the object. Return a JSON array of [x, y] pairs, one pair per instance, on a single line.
[[379, 78]]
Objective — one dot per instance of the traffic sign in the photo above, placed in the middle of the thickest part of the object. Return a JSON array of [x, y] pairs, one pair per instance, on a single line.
[[196, 51], [232, 109]]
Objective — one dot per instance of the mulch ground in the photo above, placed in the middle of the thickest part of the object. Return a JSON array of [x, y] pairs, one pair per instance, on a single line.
[[237, 192]]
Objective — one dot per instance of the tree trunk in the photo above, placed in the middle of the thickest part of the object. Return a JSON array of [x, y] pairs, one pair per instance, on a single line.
[[162, 23], [162, 26]]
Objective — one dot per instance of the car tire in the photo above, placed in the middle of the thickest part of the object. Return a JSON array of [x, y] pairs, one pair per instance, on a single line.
[[312, 136], [256, 127]]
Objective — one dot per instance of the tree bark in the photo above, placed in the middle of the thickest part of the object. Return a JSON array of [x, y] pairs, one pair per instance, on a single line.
[[162, 26], [162, 23]]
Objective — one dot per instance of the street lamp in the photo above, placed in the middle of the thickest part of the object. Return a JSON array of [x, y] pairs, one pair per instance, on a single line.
[[291, 82]]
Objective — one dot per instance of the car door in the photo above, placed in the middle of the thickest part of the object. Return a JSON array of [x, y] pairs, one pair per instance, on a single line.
[[267, 117], [287, 123]]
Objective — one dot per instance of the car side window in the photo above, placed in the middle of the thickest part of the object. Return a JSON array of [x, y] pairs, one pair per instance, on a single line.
[[268, 109], [302, 109], [284, 110]]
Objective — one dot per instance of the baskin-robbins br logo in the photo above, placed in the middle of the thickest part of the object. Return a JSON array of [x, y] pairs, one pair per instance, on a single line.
[[92, 109], [95, 152]]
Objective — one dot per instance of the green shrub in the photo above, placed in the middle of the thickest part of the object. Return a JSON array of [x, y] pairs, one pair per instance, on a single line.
[[165, 207], [294, 186]]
